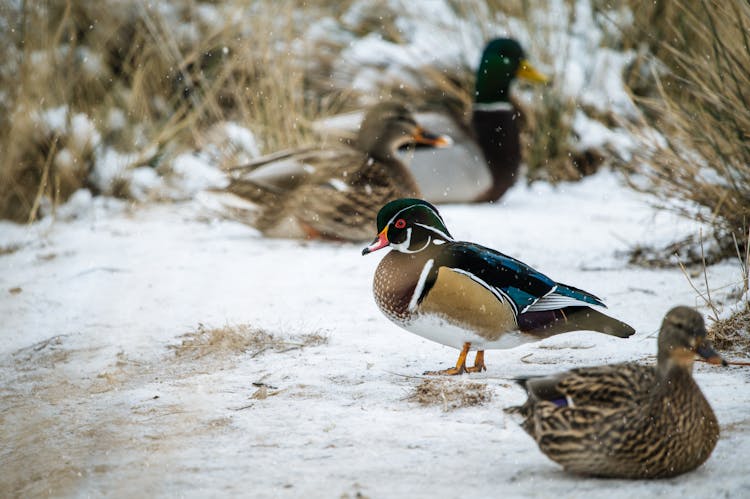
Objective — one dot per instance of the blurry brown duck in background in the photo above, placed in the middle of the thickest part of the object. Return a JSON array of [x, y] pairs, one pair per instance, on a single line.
[[331, 192], [484, 161], [629, 420]]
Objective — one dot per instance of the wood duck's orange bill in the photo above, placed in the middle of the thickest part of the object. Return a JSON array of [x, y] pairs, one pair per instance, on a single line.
[[380, 242], [422, 136], [530, 73], [706, 351]]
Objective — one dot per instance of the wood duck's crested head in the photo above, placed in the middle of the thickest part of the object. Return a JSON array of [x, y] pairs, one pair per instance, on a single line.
[[503, 60], [682, 336], [409, 226], [389, 125]]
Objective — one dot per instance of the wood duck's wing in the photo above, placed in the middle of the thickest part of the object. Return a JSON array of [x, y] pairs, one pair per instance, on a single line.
[[507, 278]]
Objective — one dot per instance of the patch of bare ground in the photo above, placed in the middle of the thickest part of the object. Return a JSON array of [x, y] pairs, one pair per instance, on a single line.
[[450, 393], [242, 338], [63, 423]]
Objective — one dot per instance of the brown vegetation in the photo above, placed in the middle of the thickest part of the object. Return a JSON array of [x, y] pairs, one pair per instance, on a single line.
[[732, 333], [450, 393], [143, 89], [700, 103], [241, 338]]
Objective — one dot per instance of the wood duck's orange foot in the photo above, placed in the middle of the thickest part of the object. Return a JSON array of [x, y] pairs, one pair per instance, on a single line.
[[460, 364], [453, 371], [478, 366]]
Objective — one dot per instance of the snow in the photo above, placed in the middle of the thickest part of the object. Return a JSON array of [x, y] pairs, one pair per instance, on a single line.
[[192, 174], [241, 137], [96, 402]]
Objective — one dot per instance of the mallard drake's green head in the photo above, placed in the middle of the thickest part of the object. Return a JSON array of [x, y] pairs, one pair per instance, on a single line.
[[408, 225], [682, 336], [389, 125], [503, 60]]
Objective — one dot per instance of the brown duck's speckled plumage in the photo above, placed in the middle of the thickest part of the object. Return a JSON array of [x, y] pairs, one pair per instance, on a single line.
[[624, 420], [336, 192]]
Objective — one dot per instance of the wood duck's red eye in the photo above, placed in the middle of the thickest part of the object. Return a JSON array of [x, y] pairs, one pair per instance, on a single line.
[[400, 223]]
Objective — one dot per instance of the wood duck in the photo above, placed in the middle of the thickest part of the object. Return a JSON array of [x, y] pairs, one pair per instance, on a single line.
[[467, 296], [484, 160], [333, 192], [629, 420]]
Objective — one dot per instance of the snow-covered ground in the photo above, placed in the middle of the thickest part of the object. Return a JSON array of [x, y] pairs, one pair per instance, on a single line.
[[96, 400]]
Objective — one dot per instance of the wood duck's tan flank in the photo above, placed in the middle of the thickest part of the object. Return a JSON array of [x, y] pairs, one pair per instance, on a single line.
[[454, 298], [628, 420], [335, 192]]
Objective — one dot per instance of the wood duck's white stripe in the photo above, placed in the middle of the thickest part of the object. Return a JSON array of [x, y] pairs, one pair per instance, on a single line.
[[499, 293], [403, 246], [554, 301], [414, 206], [420, 284], [494, 106], [436, 231], [529, 306]]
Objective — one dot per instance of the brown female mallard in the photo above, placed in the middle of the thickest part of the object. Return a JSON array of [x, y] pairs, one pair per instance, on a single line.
[[629, 420], [334, 192]]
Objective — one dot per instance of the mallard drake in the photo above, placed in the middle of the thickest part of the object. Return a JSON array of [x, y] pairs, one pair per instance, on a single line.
[[334, 192], [629, 420], [484, 160], [467, 296]]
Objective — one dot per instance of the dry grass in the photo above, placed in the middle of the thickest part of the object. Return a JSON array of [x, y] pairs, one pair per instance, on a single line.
[[702, 108], [242, 338], [450, 393], [732, 333], [146, 89]]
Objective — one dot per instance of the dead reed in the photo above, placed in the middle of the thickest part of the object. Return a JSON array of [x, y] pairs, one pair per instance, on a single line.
[[143, 80], [701, 107]]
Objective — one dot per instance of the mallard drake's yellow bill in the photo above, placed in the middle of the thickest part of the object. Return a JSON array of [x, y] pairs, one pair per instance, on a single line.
[[530, 73], [422, 136], [380, 242]]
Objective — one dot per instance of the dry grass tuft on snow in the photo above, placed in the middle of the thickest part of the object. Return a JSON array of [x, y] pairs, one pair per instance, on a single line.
[[450, 393], [242, 338], [702, 109], [732, 333]]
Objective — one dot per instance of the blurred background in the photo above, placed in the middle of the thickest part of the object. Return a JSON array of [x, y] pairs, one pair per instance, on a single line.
[[149, 101]]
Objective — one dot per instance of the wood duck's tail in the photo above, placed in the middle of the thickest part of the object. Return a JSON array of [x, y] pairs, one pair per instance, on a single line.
[[547, 323]]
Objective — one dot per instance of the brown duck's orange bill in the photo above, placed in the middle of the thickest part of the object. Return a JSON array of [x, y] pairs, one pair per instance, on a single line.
[[530, 73], [380, 242], [706, 351], [422, 136]]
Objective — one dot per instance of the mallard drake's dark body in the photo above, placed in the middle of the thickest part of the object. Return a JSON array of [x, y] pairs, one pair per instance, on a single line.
[[334, 192], [467, 296], [629, 420], [490, 141]]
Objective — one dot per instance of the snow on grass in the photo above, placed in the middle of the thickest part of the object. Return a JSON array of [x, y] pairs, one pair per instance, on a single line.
[[96, 400]]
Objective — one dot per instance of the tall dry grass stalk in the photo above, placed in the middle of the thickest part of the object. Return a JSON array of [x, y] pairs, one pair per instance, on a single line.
[[149, 79], [702, 108]]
